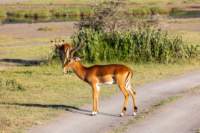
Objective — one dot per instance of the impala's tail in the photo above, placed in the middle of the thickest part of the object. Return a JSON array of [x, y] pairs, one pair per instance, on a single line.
[[128, 80]]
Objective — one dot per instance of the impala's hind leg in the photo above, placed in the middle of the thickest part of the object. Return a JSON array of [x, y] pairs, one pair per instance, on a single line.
[[126, 95], [133, 95]]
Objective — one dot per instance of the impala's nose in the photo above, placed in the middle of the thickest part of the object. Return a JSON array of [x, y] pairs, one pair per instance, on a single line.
[[65, 70]]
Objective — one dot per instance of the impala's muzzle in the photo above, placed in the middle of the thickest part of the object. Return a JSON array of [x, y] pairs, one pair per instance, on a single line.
[[66, 70]]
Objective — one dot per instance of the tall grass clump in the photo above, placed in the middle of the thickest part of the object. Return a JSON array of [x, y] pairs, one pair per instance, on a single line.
[[144, 44]]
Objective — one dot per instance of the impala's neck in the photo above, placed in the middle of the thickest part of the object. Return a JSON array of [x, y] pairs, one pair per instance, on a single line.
[[80, 70]]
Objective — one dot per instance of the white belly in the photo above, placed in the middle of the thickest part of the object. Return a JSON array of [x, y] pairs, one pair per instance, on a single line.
[[105, 83]]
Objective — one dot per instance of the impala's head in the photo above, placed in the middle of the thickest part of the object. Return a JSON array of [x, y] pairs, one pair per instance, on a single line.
[[71, 61]]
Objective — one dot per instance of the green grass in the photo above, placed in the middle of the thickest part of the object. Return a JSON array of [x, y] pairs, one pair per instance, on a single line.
[[31, 52]]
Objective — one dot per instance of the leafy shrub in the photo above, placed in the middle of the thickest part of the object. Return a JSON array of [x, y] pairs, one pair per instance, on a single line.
[[146, 44]]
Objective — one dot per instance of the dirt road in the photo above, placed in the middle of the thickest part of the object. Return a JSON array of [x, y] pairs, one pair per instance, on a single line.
[[32, 30], [179, 117], [80, 121]]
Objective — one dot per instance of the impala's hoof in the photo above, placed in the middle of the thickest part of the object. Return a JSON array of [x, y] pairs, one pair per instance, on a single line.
[[121, 114], [135, 108], [134, 113], [94, 113]]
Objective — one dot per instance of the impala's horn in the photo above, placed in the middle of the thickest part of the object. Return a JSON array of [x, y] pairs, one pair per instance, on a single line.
[[76, 48]]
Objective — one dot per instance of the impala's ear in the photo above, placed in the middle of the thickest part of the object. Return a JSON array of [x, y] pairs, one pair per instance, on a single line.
[[77, 59]]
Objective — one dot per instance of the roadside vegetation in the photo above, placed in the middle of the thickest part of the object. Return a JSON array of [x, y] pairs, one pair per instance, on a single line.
[[144, 44], [108, 39]]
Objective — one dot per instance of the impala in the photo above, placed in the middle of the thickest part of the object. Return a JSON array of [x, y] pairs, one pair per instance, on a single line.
[[103, 74]]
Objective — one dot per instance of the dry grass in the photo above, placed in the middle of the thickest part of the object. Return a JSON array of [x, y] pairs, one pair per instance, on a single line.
[[190, 37]]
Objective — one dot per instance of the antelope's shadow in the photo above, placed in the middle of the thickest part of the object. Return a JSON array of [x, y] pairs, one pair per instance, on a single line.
[[68, 108]]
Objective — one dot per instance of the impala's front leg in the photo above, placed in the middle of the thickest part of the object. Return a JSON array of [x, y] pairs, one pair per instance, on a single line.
[[94, 99]]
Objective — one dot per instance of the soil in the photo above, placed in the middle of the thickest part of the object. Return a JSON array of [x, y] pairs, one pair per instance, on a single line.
[[32, 30], [179, 117]]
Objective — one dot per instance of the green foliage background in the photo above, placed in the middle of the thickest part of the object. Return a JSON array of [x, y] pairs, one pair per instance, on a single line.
[[144, 44]]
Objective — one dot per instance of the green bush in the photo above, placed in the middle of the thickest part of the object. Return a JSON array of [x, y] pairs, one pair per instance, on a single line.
[[145, 44]]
